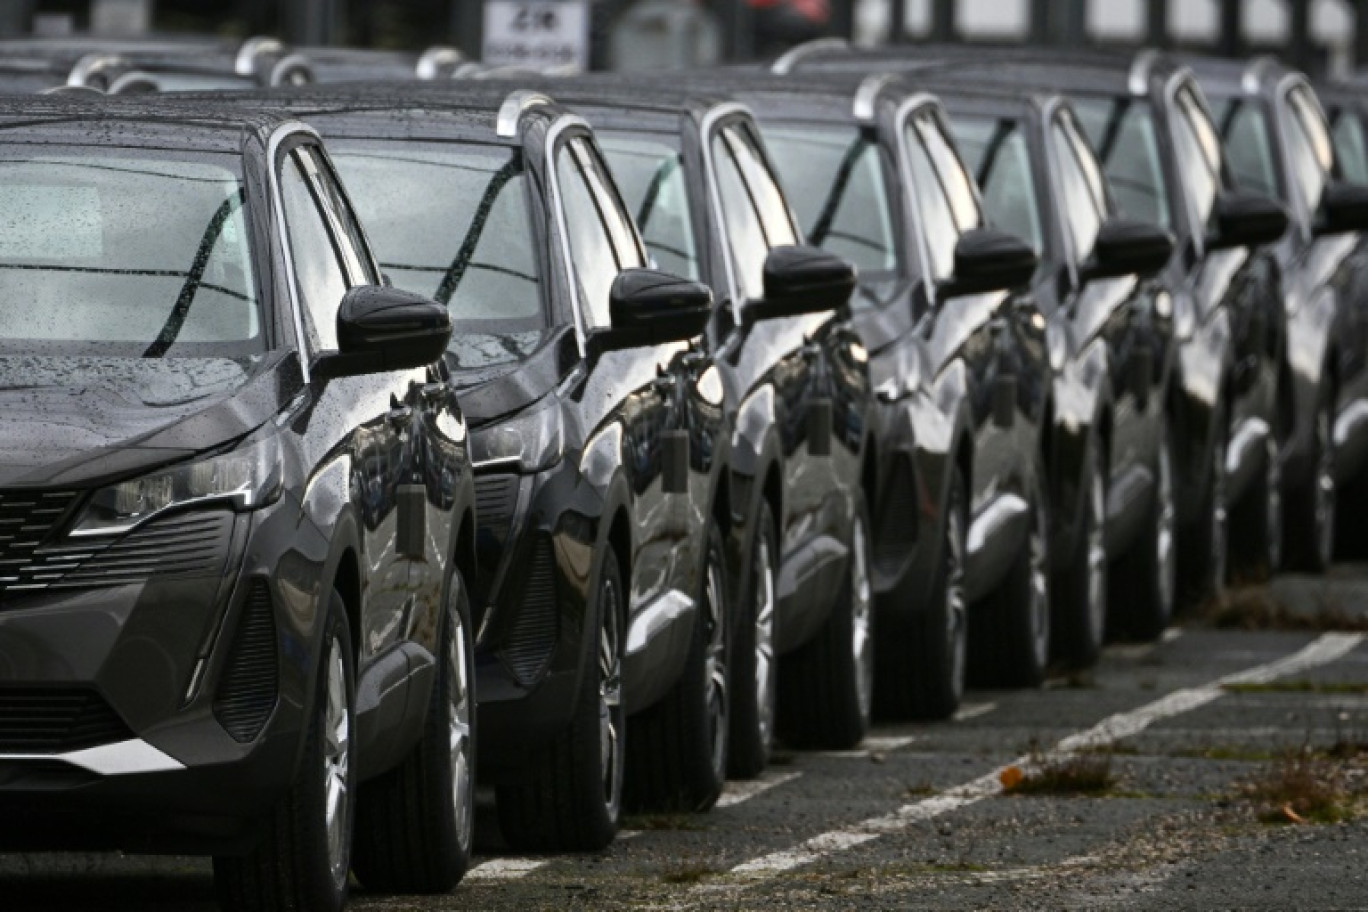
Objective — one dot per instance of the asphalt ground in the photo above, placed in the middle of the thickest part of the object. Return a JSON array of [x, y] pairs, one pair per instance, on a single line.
[[1223, 767]]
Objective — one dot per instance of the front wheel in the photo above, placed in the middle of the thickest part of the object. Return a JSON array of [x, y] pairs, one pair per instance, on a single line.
[[414, 823], [304, 856], [1080, 625], [1145, 579], [827, 684], [1256, 522], [754, 673], [572, 801], [1203, 558], [1311, 506]]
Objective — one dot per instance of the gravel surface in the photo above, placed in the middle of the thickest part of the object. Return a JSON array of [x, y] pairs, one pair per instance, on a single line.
[[892, 825]]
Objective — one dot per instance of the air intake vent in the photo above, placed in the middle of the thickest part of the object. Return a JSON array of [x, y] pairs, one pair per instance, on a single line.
[[27, 520], [496, 497], [537, 625], [56, 720], [250, 683]]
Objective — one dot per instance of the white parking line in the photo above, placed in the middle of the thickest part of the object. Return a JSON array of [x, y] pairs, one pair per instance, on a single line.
[[505, 868], [1171, 633], [974, 710], [870, 745], [1326, 649], [737, 792]]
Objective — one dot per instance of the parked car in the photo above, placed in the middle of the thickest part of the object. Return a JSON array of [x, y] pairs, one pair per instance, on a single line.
[[597, 434], [1278, 143], [957, 363], [1109, 336], [696, 174], [236, 513], [341, 64], [1146, 118]]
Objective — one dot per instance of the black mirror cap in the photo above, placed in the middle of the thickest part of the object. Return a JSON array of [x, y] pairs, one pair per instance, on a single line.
[[383, 329], [1246, 219], [1343, 208], [801, 279], [1126, 247], [989, 259], [649, 307]]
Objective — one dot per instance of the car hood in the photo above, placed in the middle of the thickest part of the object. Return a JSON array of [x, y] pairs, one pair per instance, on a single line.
[[497, 374], [82, 421]]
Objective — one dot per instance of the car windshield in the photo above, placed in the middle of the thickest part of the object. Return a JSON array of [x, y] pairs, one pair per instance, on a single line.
[[1248, 145], [125, 253], [1123, 132], [835, 183], [450, 221], [996, 152], [650, 176]]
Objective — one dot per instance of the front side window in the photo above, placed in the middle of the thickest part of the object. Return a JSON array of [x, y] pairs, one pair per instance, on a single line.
[[319, 274], [650, 176], [935, 218], [1312, 153], [1123, 133], [843, 203], [745, 232], [769, 199], [959, 187], [996, 152], [126, 253], [592, 253], [349, 235], [1198, 151], [1351, 147], [1248, 143], [450, 222], [1080, 210]]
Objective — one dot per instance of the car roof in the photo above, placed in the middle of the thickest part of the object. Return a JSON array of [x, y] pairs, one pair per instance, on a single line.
[[136, 121], [1224, 77], [653, 105]]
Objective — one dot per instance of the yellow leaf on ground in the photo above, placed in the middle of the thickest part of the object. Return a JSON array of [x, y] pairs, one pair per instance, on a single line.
[[1011, 777]]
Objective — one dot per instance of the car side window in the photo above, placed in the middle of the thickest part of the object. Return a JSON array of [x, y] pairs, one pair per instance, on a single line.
[[997, 151], [1311, 152], [745, 231], [768, 198], [959, 186], [321, 280], [1082, 216], [650, 175], [355, 250], [610, 204], [1197, 146], [592, 255], [936, 220], [1351, 147], [1249, 147]]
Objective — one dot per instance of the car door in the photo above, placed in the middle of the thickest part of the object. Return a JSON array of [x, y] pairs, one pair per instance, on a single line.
[[359, 427], [631, 398]]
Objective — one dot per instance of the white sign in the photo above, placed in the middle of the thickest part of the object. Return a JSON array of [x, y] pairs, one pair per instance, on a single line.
[[537, 33]]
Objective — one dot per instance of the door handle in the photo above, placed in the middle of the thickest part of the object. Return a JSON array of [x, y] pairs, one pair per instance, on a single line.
[[666, 384], [433, 392], [399, 414]]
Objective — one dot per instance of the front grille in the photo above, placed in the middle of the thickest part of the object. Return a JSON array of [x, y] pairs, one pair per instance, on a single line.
[[56, 720], [187, 544], [496, 497], [27, 521], [247, 692], [537, 622]]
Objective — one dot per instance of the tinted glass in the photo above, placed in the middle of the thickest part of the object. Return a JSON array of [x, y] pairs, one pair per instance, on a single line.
[[844, 205], [997, 154], [1082, 216], [591, 247], [1312, 154], [610, 205], [1248, 146], [1201, 178], [1122, 132], [125, 253], [959, 187], [1351, 148], [318, 271], [936, 221], [745, 235], [650, 176], [353, 242], [769, 199], [450, 222]]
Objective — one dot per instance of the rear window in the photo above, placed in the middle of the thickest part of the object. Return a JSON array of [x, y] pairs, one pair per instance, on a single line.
[[997, 154], [1123, 132], [835, 183], [451, 222], [126, 253]]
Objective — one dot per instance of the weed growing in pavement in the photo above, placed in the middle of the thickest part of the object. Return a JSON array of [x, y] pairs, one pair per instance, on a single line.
[[920, 790], [1257, 608], [1071, 774], [1311, 786], [1226, 752], [1354, 688], [689, 874], [684, 822]]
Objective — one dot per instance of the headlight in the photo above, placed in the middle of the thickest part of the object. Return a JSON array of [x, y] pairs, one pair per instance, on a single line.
[[248, 477], [528, 442], [898, 377]]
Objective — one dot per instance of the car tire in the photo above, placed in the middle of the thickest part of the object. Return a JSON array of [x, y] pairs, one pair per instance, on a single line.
[[572, 800], [1203, 560], [1145, 580], [1311, 505], [1009, 631], [304, 856], [826, 685], [677, 761], [921, 655], [414, 824], [1080, 590], [754, 672], [1256, 523]]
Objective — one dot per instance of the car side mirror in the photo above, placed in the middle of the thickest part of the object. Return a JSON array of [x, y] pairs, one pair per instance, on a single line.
[[649, 307], [800, 279], [1126, 247], [1343, 208], [1245, 219], [383, 329], [989, 259]]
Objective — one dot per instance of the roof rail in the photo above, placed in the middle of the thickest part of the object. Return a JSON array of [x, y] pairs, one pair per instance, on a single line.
[[244, 64], [510, 112], [436, 60], [796, 54], [90, 65], [1257, 69], [71, 90], [1141, 69], [292, 69], [867, 94]]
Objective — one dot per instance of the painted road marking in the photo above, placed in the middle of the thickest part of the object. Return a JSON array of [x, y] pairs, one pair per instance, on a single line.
[[505, 868], [737, 792], [974, 710]]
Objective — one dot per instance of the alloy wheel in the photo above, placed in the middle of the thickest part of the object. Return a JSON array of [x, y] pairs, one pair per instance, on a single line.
[[763, 574], [459, 719], [1039, 595], [715, 668], [1325, 492], [1220, 520], [956, 611], [1166, 524], [1097, 557], [337, 762], [862, 610], [610, 695], [1273, 509]]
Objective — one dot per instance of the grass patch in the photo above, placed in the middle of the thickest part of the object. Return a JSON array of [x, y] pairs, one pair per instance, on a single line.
[[660, 822], [1311, 687], [1256, 608], [1310, 786], [958, 867], [1074, 774], [689, 874], [920, 790], [1227, 752]]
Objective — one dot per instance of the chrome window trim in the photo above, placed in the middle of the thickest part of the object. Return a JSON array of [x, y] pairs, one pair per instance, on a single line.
[[867, 96], [278, 136], [795, 55], [93, 63], [244, 62], [511, 111], [902, 120], [706, 129], [433, 60], [553, 136]]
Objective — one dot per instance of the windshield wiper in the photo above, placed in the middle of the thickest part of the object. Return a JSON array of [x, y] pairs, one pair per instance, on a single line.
[[194, 278]]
